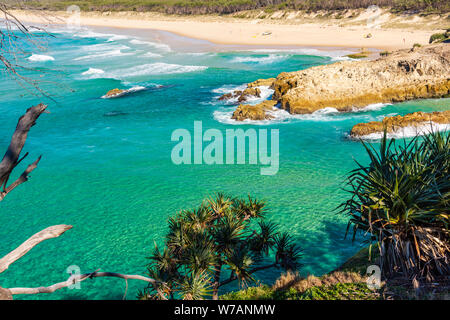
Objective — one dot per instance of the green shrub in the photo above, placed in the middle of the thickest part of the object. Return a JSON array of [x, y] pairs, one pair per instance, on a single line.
[[340, 291], [223, 240], [437, 37], [401, 199]]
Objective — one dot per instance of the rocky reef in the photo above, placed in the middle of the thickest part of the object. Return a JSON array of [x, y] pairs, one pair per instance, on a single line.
[[256, 112], [115, 93], [251, 91], [404, 75], [420, 72], [396, 123]]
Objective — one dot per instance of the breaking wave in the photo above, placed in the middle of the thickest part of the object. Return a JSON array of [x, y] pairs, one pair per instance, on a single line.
[[409, 132], [40, 58]]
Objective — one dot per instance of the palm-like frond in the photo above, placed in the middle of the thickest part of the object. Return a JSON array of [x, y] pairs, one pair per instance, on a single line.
[[405, 188], [196, 286], [252, 208], [264, 240], [200, 257], [219, 234], [228, 232], [220, 204], [287, 253], [239, 262]]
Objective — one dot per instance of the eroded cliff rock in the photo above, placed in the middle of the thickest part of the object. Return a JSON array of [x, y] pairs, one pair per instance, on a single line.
[[348, 85], [393, 124], [403, 75]]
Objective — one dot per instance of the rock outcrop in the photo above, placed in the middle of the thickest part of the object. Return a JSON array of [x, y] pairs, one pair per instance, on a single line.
[[115, 93], [422, 72], [256, 112], [403, 75], [393, 124], [261, 82], [252, 90]]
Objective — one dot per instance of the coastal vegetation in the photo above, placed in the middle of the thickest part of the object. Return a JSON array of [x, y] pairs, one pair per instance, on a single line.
[[232, 6], [401, 201], [223, 240], [440, 37], [363, 53], [290, 286]]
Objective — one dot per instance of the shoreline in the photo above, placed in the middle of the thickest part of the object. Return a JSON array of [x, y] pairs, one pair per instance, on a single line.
[[232, 31]]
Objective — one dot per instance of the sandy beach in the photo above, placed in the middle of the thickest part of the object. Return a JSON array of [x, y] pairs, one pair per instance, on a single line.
[[230, 30]]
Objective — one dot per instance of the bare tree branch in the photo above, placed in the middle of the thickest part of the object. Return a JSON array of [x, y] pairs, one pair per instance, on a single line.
[[75, 279], [23, 178], [11, 157], [18, 40], [5, 294], [49, 233]]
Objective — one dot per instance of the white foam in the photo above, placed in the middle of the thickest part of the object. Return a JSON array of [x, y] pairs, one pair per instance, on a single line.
[[103, 47], [117, 37], [155, 69], [371, 107], [160, 46], [127, 91], [229, 88], [266, 93], [151, 55], [137, 88], [86, 33], [107, 54], [198, 54], [409, 132], [271, 58], [93, 71], [278, 115], [334, 54], [40, 58]]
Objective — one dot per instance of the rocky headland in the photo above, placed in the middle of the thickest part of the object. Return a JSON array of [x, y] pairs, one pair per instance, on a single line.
[[415, 121], [420, 72]]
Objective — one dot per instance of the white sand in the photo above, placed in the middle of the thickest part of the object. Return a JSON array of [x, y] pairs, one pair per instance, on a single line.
[[229, 30]]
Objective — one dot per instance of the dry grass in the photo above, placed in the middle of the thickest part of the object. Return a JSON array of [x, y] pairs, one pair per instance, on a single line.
[[293, 280]]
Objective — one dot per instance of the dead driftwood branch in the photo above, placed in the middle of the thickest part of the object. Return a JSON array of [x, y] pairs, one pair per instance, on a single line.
[[48, 233], [78, 278], [11, 157]]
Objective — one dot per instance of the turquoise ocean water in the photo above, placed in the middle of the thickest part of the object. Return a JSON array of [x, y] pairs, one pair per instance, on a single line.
[[106, 166]]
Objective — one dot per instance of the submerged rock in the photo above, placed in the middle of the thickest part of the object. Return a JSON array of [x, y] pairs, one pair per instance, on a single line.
[[256, 112], [393, 124], [402, 75], [115, 93]]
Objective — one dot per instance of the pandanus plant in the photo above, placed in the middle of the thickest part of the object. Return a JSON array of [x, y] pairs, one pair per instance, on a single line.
[[402, 200], [223, 240]]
